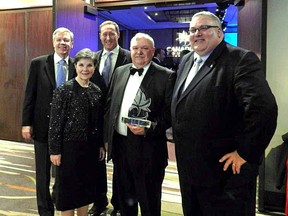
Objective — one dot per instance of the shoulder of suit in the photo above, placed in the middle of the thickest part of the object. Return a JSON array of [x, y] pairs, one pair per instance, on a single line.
[[232, 48], [188, 56], [124, 66], [235, 53], [43, 57], [71, 59], [124, 52], [98, 53], [160, 68]]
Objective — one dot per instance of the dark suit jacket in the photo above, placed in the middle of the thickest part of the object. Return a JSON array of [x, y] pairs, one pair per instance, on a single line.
[[281, 170], [227, 106], [123, 58], [158, 85], [38, 95], [156, 60]]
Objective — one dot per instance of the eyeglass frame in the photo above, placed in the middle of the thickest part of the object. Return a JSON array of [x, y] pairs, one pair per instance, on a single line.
[[201, 28]]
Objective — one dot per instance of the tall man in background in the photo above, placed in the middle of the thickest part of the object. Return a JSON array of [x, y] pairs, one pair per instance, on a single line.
[[223, 118], [109, 58], [45, 74]]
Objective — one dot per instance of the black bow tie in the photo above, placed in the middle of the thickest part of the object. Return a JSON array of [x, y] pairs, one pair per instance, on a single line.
[[134, 70]]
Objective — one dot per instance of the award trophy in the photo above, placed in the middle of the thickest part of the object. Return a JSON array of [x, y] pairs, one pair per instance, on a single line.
[[138, 112]]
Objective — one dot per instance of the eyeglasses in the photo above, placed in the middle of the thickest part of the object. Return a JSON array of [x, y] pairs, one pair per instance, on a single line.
[[201, 28]]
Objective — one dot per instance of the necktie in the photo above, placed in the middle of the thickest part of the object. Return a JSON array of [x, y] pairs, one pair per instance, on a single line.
[[61, 77], [192, 72], [134, 70], [107, 68]]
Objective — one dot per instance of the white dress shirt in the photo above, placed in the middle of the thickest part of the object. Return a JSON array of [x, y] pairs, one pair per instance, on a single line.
[[114, 56], [130, 92]]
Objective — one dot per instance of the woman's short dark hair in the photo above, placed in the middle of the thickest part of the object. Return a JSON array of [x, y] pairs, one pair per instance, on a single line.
[[85, 53]]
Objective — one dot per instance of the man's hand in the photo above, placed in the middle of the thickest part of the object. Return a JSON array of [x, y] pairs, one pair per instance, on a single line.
[[27, 132], [56, 159], [136, 129], [106, 146], [102, 153], [233, 159]]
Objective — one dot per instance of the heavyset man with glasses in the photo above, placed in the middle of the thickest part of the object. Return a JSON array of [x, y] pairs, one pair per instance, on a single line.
[[222, 122], [109, 35]]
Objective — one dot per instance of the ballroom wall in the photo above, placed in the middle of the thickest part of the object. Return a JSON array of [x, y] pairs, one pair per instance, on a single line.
[[277, 63], [270, 197], [70, 14], [23, 37], [26, 33]]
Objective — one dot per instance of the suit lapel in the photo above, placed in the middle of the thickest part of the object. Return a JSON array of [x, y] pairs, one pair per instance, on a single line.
[[204, 70], [148, 76], [71, 69], [121, 58], [49, 69], [98, 58], [187, 67], [120, 86], [181, 77]]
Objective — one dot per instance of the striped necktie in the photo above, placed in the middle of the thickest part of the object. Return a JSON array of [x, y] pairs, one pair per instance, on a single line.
[[107, 68], [192, 72], [61, 76]]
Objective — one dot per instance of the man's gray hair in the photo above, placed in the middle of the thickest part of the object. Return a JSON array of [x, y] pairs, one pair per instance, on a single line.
[[209, 14], [142, 35], [63, 29]]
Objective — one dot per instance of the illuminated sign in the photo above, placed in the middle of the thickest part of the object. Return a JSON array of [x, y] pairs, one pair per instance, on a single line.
[[183, 44]]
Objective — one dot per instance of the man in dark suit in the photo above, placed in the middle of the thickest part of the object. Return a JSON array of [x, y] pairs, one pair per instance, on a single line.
[[36, 110], [109, 35], [138, 105], [159, 56], [222, 122]]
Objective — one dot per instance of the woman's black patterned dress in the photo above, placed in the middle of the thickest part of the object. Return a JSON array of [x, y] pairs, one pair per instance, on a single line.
[[76, 132]]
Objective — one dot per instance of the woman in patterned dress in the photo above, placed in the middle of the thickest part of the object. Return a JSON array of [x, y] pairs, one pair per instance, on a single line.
[[76, 138]]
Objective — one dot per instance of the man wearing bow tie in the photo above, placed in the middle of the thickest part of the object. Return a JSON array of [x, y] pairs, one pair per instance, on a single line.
[[138, 114]]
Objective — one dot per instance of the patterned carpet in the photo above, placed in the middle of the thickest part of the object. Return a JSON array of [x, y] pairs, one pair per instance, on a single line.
[[17, 182], [17, 179]]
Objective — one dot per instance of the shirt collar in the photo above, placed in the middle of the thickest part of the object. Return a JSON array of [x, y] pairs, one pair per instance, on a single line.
[[204, 58], [57, 58], [145, 68], [114, 51]]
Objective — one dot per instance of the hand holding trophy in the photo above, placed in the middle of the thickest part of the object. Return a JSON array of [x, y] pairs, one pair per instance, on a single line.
[[139, 111]]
